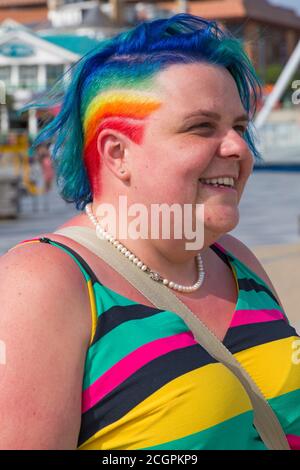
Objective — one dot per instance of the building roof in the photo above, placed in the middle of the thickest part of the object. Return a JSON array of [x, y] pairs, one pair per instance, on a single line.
[[95, 17], [24, 16], [259, 10], [21, 3], [262, 10], [218, 9], [75, 43], [35, 50]]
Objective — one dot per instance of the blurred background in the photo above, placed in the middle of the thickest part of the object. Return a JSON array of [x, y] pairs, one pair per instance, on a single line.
[[41, 39]]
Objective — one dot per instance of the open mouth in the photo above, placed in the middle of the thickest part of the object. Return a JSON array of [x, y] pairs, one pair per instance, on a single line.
[[219, 183]]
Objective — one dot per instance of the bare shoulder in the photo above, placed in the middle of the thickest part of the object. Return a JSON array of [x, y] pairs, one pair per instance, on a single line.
[[41, 327], [244, 254], [48, 271]]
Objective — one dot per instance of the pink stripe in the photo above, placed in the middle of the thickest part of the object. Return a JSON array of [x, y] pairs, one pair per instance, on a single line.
[[294, 441], [130, 364], [245, 317], [220, 248]]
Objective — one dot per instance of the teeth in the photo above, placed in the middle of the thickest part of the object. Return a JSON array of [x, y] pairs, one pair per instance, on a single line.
[[227, 181]]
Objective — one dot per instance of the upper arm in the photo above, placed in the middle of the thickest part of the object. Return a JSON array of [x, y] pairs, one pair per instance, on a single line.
[[40, 329], [244, 254]]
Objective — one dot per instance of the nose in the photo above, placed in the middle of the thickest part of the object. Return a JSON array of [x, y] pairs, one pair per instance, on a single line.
[[233, 145]]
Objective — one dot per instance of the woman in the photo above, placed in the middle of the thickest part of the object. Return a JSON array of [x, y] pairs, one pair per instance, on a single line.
[[158, 115], [44, 158]]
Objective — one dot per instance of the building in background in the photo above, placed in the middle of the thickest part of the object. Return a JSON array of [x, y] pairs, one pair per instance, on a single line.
[[29, 64], [29, 12], [270, 33], [40, 39]]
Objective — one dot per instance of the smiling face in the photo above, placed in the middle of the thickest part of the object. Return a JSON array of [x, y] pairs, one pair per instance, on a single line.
[[196, 133]]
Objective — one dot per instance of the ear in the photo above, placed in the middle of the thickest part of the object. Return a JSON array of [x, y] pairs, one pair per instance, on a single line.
[[112, 148]]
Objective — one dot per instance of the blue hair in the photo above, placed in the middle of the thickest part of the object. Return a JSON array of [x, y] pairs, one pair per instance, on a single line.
[[129, 58]]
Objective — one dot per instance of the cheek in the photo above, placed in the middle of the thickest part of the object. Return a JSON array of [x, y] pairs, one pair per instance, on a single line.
[[246, 167], [172, 168], [224, 217]]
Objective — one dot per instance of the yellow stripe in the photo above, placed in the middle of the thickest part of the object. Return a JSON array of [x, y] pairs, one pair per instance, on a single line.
[[135, 99], [93, 309], [24, 243], [134, 110], [189, 404], [235, 276], [119, 104], [272, 367], [90, 292], [201, 399]]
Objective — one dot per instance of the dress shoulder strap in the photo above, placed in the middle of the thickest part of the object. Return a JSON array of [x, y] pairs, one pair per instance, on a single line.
[[88, 273], [221, 252]]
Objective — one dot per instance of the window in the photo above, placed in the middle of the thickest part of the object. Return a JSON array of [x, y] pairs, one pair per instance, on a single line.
[[5, 73], [53, 73], [28, 76]]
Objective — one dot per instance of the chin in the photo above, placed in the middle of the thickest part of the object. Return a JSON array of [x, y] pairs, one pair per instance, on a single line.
[[223, 222]]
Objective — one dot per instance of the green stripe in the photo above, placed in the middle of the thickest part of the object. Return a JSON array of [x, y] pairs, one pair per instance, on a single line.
[[233, 434], [107, 298], [126, 338], [287, 409], [245, 271], [252, 300], [252, 297], [238, 433]]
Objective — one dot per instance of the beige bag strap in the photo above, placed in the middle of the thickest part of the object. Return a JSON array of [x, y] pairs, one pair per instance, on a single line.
[[265, 420]]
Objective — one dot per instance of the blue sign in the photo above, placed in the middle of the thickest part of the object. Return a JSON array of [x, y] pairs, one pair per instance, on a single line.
[[16, 49]]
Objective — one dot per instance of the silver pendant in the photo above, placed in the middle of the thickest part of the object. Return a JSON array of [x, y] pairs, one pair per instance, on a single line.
[[155, 276]]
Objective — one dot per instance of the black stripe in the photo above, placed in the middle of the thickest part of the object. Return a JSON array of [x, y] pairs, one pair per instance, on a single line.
[[251, 284], [224, 257], [91, 273], [243, 337], [115, 316], [81, 261], [143, 383], [95, 279], [160, 371]]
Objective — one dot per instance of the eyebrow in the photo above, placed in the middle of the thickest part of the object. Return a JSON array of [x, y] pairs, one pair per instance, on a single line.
[[213, 115]]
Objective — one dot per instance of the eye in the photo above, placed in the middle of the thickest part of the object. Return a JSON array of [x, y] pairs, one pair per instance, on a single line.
[[240, 129], [203, 126]]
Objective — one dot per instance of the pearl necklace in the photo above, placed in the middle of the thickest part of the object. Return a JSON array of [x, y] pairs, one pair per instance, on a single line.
[[103, 234]]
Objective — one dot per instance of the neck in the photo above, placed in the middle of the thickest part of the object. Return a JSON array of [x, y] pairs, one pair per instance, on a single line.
[[167, 257]]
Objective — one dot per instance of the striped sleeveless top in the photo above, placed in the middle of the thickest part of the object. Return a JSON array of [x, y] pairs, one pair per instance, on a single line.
[[149, 385]]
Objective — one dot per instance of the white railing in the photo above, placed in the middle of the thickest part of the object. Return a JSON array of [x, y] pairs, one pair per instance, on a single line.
[[279, 142]]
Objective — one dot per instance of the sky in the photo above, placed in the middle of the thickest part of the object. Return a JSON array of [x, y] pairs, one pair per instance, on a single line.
[[287, 3]]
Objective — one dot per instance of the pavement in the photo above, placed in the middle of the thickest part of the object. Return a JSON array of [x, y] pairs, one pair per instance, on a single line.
[[282, 264], [38, 215]]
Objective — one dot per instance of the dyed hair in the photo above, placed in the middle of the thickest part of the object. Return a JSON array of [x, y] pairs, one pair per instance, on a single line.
[[113, 86]]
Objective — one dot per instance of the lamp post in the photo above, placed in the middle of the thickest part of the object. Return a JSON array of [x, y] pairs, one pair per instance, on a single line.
[[117, 11]]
